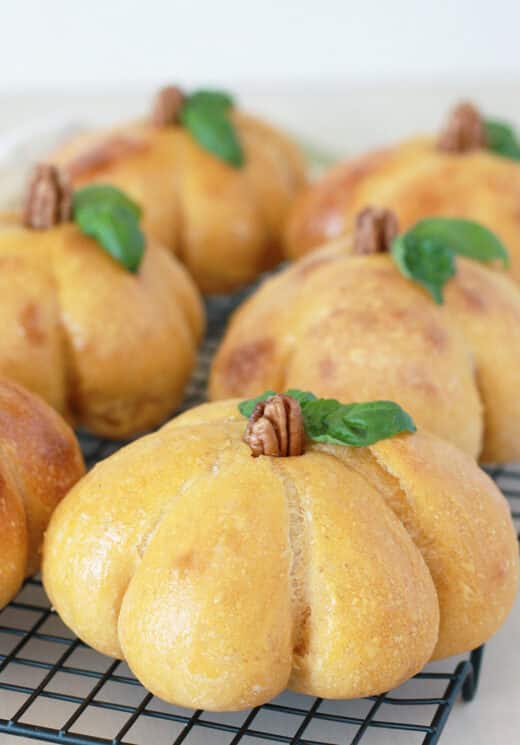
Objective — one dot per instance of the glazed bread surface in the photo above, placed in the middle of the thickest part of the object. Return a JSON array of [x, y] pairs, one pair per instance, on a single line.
[[224, 223], [415, 180], [39, 462], [109, 349], [226, 578]]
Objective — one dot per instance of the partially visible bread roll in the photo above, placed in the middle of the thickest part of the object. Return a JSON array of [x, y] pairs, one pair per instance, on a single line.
[[39, 462]]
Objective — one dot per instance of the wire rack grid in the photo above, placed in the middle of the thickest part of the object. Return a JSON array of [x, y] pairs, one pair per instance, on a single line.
[[55, 689]]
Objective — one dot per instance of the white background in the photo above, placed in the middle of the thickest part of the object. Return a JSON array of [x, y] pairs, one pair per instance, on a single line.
[[102, 42]]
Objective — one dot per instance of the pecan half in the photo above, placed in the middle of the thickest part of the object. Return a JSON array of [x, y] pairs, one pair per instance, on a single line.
[[48, 199], [375, 230], [276, 427], [167, 105], [464, 130]]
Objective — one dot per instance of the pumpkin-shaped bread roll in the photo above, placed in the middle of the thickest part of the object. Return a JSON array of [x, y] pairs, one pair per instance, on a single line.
[[350, 326], [110, 348], [39, 462], [469, 170], [215, 184], [338, 571]]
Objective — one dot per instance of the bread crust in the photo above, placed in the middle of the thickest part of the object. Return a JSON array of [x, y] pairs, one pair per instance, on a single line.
[[226, 577], [39, 461]]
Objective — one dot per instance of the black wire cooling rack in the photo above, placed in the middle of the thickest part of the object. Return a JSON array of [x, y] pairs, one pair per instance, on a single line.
[[55, 689]]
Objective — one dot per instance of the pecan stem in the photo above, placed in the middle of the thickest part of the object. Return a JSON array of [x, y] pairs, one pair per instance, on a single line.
[[276, 428], [167, 106], [375, 230], [48, 199], [464, 131]]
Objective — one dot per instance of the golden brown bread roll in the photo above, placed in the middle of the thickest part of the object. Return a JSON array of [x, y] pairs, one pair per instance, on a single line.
[[224, 223], [39, 462], [416, 179], [353, 328], [226, 578], [110, 349]]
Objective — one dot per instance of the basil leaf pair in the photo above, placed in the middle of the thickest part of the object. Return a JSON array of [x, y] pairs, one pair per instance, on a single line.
[[358, 425], [501, 139], [108, 215], [426, 253], [206, 115]]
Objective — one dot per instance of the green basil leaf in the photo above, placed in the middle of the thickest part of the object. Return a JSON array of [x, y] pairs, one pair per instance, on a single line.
[[210, 124], [315, 415], [116, 228], [105, 194], [427, 261], [501, 139], [426, 252], [464, 237], [246, 407], [359, 425], [212, 98]]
